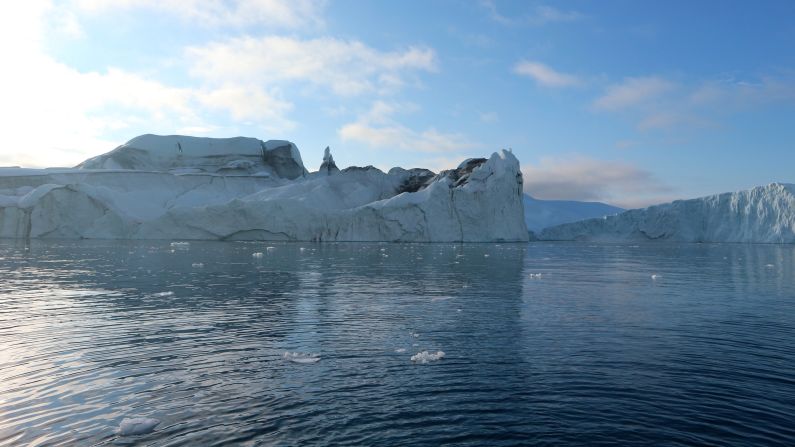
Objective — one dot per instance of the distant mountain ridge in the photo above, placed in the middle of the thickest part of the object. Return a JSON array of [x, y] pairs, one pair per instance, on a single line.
[[540, 214]]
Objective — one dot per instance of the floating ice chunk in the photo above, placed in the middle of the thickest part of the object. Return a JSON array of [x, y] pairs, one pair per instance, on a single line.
[[137, 426], [415, 335], [655, 276], [770, 266], [197, 265], [270, 248], [441, 298], [162, 294], [298, 357], [257, 255], [425, 356], [535, 275], [180, 245], [486, 255], [301, 249], [400, 350]]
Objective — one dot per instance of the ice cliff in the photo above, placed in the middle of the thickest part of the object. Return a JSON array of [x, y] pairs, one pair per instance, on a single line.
[[177, 187], [765, 214]]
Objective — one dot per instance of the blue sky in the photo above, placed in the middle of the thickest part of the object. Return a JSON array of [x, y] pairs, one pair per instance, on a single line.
[[629, 102]]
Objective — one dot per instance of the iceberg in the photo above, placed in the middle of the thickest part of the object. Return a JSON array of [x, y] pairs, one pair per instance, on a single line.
[[190, 188], [765, 214]]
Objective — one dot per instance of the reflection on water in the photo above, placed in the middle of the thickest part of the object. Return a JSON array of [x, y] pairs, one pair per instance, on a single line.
[[544, 343]]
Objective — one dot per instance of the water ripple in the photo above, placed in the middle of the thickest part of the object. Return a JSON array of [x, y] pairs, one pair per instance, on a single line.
[[546, 344]]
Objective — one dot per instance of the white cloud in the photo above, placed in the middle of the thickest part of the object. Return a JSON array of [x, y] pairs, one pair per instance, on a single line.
[[345, 67], [583, 178], [378, 129], [53, 114], [544, 75], [540, 15], [632, 92], [250, 103], [236, 13]]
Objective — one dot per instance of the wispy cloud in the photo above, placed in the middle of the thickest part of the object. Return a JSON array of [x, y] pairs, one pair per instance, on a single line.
[[583, 178], [656, 103], [271, 13], [379, 129], [539, 15], [545, 75], [632, 92], [489, 117], [346, 67]]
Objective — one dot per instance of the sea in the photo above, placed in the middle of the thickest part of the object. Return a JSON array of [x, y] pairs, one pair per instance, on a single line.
[[392, 344]]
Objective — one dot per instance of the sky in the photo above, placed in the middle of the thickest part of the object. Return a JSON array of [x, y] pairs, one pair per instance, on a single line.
[[630, 102]]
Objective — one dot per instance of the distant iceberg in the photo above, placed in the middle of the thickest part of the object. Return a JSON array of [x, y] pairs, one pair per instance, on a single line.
[[540, 214], [183, 188], [765, 214]]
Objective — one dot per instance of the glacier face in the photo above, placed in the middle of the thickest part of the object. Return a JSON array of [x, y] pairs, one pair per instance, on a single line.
[[765, 214], [177, 187]]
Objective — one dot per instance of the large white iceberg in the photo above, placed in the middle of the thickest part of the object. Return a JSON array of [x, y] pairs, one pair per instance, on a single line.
[[177, 187], [765, 214]]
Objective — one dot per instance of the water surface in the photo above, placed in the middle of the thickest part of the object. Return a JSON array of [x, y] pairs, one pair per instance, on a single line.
[[546, 344]]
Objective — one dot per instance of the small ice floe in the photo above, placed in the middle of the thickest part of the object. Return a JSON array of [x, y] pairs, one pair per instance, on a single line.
[[425, 357], [770, 266], [458, 310], [270, 248], [441, 298], [383, 249], [197, 265], [163, 294], [299, 357], [137, 426], [486, 255], [400, 350], [535, 275], [415, 335], [301, 249], [180, 245], [256, 255], [385, 255], [656, 277]]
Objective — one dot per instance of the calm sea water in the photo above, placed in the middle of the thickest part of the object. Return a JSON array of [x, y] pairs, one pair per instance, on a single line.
[[546, 344]]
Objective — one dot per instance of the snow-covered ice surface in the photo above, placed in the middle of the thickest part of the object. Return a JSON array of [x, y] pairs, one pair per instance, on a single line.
[[183, 188], [137, 426], [765, 214]]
